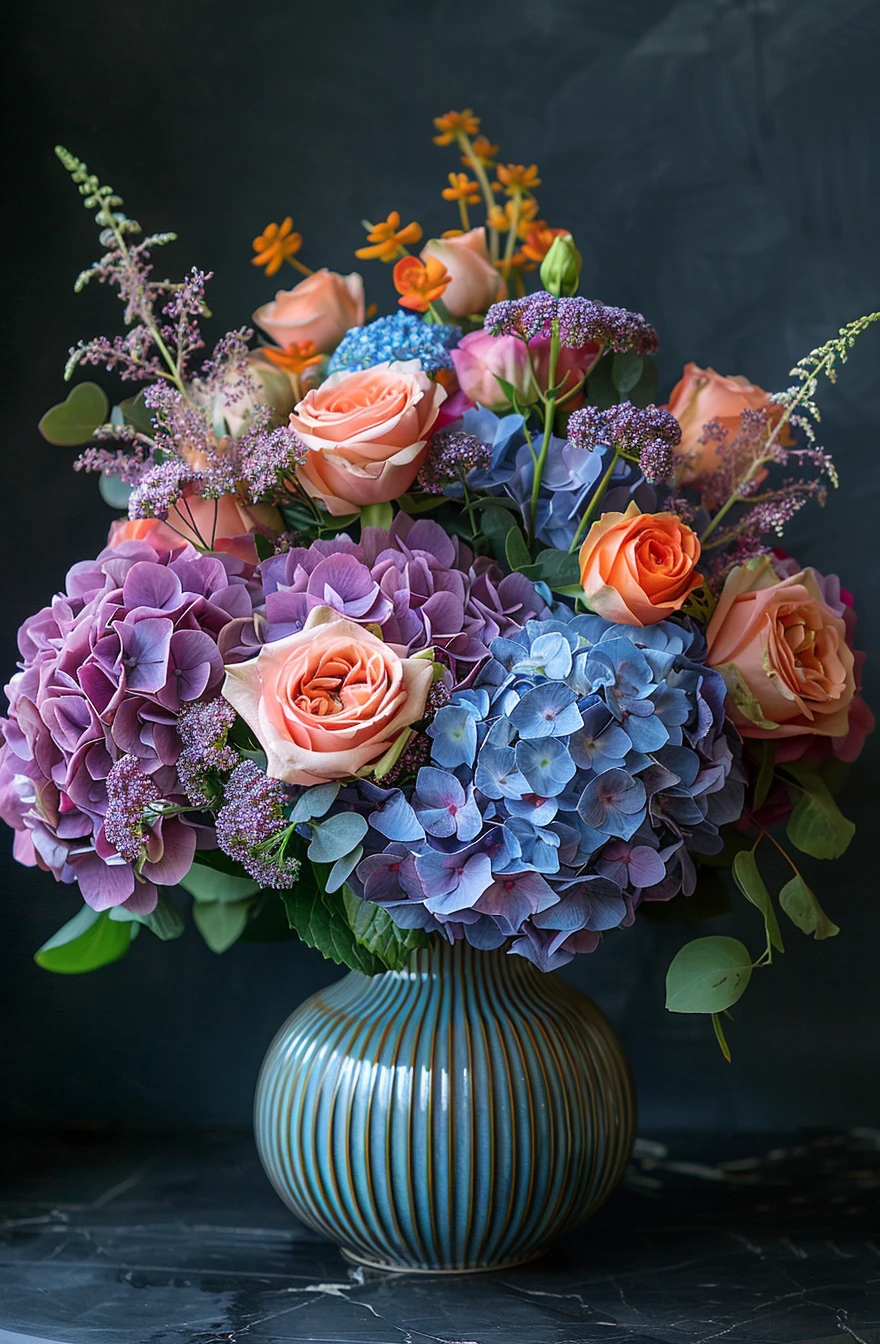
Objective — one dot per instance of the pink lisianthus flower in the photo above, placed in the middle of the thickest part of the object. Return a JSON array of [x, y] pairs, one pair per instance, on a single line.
[[480, 359]]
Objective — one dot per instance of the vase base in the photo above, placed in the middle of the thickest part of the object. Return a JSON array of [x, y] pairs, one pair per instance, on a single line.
[[388, 1267]]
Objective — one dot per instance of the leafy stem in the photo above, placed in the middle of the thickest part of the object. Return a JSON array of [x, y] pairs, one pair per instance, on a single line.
[[549, 416]]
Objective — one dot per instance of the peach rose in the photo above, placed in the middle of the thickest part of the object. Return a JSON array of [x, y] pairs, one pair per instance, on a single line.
[[223, 524], [783, 654], [328, 701], [638, 568], [320, 308], [702, 395], [475, 281], [367, 434]]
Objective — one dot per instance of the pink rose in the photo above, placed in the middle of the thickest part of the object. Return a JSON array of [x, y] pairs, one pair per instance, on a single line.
[[320, 309], [480, 360], [329, 701], [366, 433], [475, 281], [783, 653]]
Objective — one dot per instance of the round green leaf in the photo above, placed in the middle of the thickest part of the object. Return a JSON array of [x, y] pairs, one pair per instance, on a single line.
[[802, 908], [206, 884], [74, 420], [707, 975], [86, 942], [221, 923]]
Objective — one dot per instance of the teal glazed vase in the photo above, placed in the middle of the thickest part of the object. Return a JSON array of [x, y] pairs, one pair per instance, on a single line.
[[456, 1115]]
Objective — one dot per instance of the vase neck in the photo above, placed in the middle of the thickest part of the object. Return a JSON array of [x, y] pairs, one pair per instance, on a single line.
[[460, 959]]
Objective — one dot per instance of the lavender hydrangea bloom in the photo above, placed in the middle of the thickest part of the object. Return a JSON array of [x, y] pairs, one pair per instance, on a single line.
[[572, 779], [137, 635], [418, 585]]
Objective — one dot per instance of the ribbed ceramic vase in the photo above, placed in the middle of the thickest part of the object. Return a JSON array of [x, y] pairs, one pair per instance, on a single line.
[[456, 1115]]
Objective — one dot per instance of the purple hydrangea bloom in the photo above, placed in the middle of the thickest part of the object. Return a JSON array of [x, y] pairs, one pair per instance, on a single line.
[[421, 587], [573, 778], [137, 636]]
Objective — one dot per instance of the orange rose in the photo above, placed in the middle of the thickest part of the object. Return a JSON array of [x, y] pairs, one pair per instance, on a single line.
[[702, 395], [475, 283], [367, 434], [320, 309], [328, 701], [638, 568], [783, 654]]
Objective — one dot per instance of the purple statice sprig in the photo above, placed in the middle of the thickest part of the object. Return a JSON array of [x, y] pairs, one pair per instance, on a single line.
[[579, 322], [643, 434], [451, 455], [253, 828], [130, 795], [207, 757]]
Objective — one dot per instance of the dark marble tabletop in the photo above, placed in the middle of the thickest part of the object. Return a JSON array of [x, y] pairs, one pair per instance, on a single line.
[[160, 1239]]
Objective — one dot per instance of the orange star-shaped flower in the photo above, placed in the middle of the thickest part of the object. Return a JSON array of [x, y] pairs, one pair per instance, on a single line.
[[484, 150], [275, 245], [517, 177], [295, 358], [502, 219], [420, 282], [537, 241], [461, 188], [389, 239], [453, 124]]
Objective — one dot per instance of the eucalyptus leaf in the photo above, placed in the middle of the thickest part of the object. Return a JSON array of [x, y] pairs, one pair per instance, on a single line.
[[221, 923], [376, 931], [720, 1037], [74, 420], [748, 878], [802, 908], [165, 921], [337, 836], [114, 492], [86, 942], [209, 885], [816, 825], [707, 975], [137, 414]]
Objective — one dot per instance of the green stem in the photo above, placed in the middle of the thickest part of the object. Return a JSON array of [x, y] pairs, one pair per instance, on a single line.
[[512, 232], [488, 194], [549, 416], [596, 500]]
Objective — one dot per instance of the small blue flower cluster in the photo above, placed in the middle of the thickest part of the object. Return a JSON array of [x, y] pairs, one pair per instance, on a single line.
[[569, 781], [401, 336]]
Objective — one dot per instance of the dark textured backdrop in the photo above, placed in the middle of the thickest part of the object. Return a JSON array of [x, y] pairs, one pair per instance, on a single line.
[[717, 161]]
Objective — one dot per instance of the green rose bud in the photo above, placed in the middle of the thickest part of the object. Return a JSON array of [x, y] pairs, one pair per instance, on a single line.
[[561, 268]]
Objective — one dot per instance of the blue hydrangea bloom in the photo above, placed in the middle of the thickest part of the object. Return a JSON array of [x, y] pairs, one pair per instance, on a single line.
[[573, 778], [400, 336]]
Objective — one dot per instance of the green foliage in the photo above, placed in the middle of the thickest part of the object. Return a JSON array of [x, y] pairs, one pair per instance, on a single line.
[[720, 1037], [264, 547], [751, 884], [802, 908], [114, 492], [767, 766], [377, 515], [495, 523], [221, 923], [816, 825], [626, 370], [136, 413], [516, 550], [165, 921], [707, 975], [320, 920], [214, 886], [74, 420], [420, 503], [90, 940], [376, 931]]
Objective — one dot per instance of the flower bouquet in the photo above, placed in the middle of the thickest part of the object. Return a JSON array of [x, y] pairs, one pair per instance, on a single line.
[[431, 630]]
